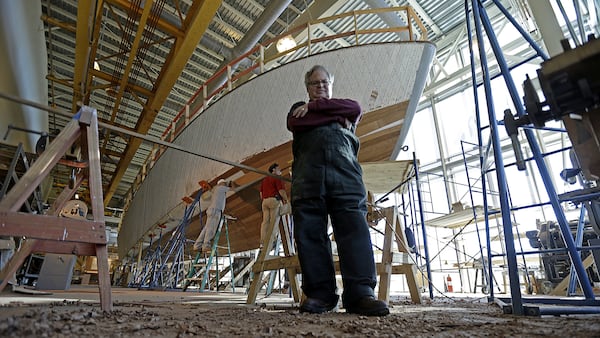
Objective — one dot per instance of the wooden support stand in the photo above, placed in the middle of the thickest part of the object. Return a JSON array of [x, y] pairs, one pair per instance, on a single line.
[[561, 288], [54, 234], [264, 263], [387, 267]]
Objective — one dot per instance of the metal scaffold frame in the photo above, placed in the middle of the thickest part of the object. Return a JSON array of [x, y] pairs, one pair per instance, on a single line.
[[164, 267], [518, 303]]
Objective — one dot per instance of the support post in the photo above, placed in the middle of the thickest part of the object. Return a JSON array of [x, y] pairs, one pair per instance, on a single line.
[[393, 228], [289, 262]]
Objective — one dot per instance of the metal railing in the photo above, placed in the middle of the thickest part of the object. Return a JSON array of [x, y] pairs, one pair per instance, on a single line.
[[354, 28]]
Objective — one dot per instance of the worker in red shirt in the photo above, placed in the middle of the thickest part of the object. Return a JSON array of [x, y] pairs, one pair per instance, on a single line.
[[272, 194]]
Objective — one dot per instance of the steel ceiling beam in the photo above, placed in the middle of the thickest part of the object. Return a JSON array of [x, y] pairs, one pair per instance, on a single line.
[[196, 23], [85, 11], [129, 86], [56, 23], [93, 51], [162, 25], [133, 53], [427, 20], [315, 11]]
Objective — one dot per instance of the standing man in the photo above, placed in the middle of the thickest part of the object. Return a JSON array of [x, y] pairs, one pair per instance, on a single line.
[[327, 181], [272, 193], [213, 216]]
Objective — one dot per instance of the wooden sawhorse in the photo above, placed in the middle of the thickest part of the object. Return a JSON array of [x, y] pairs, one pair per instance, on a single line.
[[264, 263], [387, 267], [54, 234]]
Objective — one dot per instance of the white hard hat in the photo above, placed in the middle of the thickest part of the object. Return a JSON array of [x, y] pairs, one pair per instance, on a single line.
[[221, 181]]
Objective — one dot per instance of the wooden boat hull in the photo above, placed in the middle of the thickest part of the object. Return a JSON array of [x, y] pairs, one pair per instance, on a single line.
[[248, 125], [245, 204]]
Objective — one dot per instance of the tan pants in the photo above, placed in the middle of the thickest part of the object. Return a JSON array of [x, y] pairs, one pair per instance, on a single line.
[[270, 211]]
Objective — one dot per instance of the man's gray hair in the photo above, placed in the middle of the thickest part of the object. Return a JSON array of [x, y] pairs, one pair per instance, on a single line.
[[314, 69]]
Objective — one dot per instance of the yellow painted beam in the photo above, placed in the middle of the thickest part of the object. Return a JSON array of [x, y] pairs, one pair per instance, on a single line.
[[55, 22], [162, 25], [133, 88], [132, 55], [93, 51], [82, 35], [196, 23]]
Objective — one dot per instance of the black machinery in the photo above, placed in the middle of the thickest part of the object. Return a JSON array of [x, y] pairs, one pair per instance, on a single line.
[[556, 263], [570, 83]]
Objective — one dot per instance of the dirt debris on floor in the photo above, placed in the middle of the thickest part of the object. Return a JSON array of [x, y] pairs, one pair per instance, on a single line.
[[441, 318]]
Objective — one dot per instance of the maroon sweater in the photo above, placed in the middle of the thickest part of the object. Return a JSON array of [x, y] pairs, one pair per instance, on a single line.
[[324, 111]]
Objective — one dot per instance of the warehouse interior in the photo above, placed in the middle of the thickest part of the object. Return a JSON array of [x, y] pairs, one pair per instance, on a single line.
[[120, 116]]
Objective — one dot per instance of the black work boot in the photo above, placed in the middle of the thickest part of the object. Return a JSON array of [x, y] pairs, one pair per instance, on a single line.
[[368, 306], [314, 305]]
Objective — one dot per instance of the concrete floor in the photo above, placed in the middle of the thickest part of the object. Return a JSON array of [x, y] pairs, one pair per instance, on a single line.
[[76, 312], [90, 294]]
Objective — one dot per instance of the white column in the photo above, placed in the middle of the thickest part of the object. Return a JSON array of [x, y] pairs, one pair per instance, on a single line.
[[545, 20]]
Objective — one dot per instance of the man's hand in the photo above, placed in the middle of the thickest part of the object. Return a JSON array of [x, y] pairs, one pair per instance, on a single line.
[[300, 111]]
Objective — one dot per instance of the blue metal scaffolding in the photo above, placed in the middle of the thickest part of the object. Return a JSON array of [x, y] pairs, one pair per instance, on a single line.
[[164, 267], [519, 305]]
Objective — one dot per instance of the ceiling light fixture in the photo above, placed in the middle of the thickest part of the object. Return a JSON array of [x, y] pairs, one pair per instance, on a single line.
[[285, 43]]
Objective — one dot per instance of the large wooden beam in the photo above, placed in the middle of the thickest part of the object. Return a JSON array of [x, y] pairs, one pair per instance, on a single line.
[[561, 288], [52, 227], [41, 168]]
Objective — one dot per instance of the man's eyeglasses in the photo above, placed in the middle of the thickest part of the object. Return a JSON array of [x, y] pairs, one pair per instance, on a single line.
[[319, 83]]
